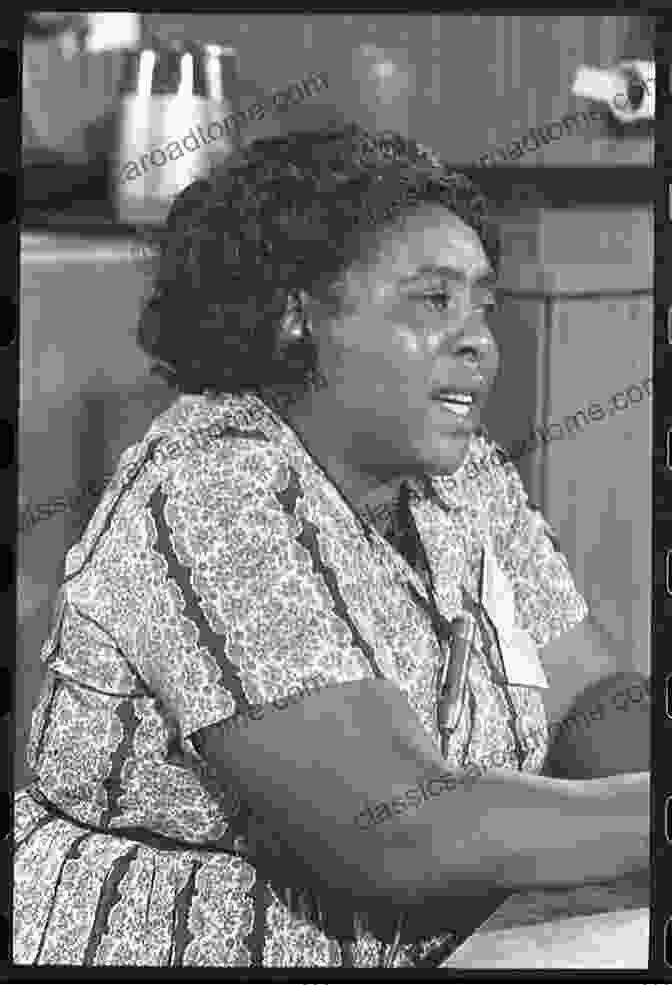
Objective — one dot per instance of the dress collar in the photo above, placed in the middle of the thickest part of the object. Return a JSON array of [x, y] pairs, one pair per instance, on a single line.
[[461, 491], [457, 491]]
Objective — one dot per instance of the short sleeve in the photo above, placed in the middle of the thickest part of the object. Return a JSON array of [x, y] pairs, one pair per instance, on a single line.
[[79, 723], [547, 601], [237, 615]]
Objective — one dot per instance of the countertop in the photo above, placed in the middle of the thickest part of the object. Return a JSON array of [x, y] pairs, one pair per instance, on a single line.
[[601, 925], [92, 220]]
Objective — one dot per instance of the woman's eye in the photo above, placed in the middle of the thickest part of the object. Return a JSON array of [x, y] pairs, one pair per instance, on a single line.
[[436, 301], [440, 300]]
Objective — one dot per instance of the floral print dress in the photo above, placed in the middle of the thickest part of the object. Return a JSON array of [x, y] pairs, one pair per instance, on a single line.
[[223, 569]]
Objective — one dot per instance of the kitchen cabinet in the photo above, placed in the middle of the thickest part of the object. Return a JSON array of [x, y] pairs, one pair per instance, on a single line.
[[466, 83]]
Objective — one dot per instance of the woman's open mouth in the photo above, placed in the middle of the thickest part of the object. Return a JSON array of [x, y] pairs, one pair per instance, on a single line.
[[458, 403], [461, 407]]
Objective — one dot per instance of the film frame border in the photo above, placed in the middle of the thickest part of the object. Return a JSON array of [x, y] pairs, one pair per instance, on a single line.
[[10, 168], [660, 941]]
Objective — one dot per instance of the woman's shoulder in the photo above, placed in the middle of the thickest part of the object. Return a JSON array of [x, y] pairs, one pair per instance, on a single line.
[[201, 459], [208, 453], [217, 432], [198, 449], [242, 414]]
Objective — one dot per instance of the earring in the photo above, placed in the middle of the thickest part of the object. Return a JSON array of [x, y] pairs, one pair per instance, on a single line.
[[295, 324]]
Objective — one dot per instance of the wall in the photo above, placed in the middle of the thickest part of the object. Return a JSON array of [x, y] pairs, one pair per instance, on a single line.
[[84, 396], [588, 282]]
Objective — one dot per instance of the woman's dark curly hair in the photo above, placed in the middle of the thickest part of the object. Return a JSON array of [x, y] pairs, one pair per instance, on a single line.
[[287, 214]]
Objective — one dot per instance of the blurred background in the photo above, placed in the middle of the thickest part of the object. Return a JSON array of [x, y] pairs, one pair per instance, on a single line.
[[102, 88]]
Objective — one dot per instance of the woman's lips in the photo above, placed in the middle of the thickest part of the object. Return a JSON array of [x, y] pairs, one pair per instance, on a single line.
[[461, 417], [461, 408], [459, 402]]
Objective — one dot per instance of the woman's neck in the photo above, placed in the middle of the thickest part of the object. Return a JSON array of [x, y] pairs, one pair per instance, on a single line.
[[370, 494], [380, 506]]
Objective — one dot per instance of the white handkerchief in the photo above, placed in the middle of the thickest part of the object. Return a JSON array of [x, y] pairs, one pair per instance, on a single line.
[[522, 665], [498, 598], [521, 660]]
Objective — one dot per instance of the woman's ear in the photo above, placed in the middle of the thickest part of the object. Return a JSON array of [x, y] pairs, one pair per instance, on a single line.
[[295, 323]]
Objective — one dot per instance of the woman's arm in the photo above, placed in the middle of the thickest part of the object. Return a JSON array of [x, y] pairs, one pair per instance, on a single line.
[[314, 769], [347, 776]]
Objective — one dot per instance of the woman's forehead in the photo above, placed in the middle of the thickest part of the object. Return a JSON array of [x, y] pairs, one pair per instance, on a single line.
[[432, 239]]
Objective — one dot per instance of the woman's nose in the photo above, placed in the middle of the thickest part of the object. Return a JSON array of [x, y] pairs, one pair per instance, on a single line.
[[476, 345]]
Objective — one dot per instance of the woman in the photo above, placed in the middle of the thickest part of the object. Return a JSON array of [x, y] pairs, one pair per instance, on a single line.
[[302, 514]]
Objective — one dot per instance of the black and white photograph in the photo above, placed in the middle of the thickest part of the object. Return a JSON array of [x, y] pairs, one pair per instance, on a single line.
[[334, 552]]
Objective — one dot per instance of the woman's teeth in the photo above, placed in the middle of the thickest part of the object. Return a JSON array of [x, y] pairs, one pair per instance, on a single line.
[[460, 409], [460, 404]]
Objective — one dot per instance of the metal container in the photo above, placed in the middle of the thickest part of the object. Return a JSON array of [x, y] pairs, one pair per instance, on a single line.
[[169, 96]]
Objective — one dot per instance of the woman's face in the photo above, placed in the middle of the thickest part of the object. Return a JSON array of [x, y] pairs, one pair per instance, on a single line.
[[411, 360]]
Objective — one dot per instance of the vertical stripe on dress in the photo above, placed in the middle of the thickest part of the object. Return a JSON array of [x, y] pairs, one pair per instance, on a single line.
[[128, 483], [112, 785], [181, 934], [73, 852], [109, 895], [472, 723], [180, 573], [257, 937], [308, 539], [493, 657], [288, 497]]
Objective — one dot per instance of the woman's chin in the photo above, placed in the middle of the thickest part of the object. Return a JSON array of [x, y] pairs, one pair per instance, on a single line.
[[448, 456]]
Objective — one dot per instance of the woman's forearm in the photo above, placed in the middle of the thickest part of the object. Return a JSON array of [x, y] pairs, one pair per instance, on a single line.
[[360, 793], [518, 831]]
